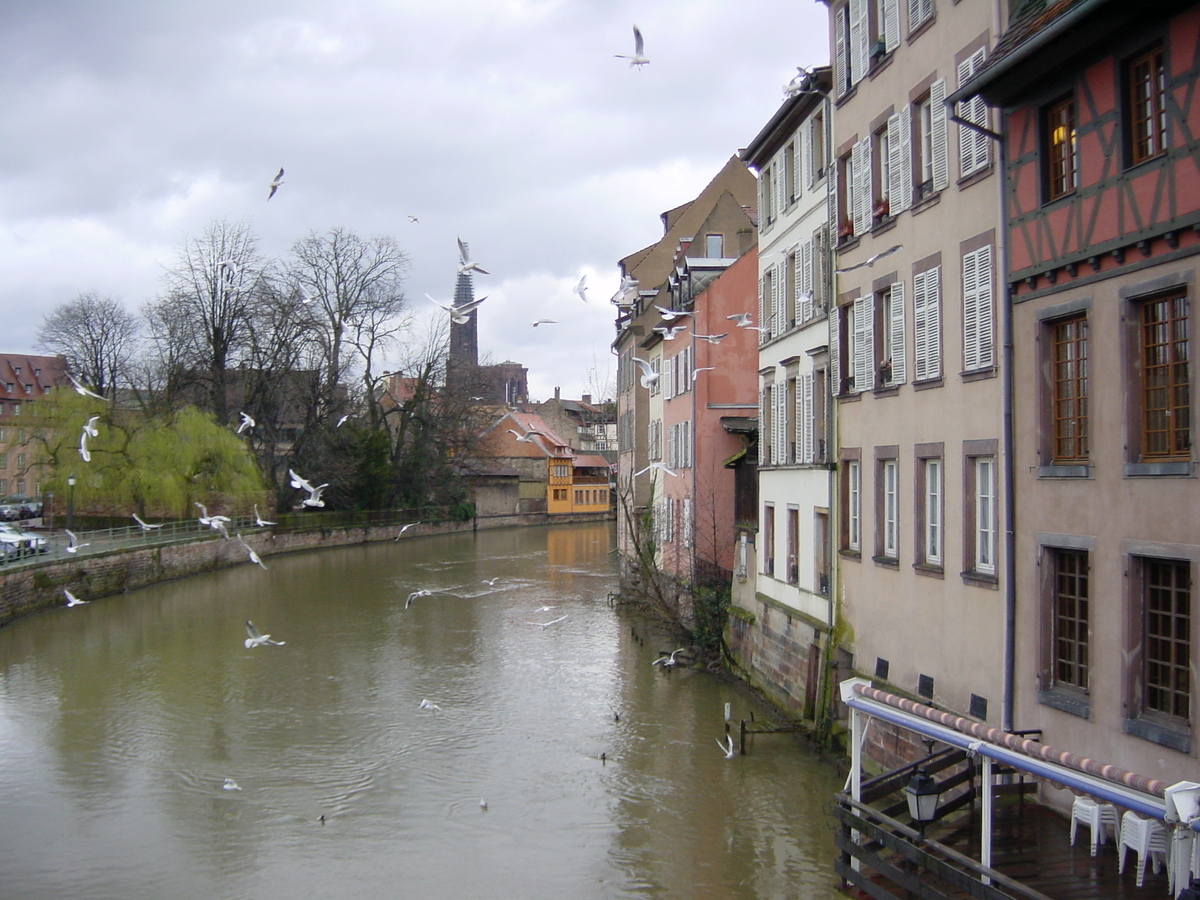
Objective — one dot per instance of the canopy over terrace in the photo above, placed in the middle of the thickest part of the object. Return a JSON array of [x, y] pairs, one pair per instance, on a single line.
[[1177, 805]]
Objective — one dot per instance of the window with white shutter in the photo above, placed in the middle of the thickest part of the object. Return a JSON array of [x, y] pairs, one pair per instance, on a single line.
[[805, 426], [841, 52], [972, 145], [900, 174], [978, 312], [859, 40], [763, 443], [781, 423], [891, 25], [939, 151], [762, 309], [919, 11], [835, 350], [806, 281], [862, 186], [927, 324], [897, 347], [864, 343]]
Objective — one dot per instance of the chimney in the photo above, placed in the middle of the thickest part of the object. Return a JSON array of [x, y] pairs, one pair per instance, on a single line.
[[586, 398], [556, 393]]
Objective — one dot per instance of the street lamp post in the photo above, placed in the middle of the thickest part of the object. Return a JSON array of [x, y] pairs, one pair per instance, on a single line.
[[70, 500]]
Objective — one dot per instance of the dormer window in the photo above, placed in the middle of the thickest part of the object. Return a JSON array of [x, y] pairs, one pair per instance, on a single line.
[[10, 386], [29, 388]]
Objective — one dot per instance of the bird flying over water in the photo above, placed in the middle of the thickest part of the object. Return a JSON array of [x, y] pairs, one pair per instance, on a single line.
[[467, 264], [254, 558], [432, 707], [231, 785], [667, 661], [546, 624], [275, 183], [74, 546], [259, 520], [727, 747], [72, 600], [257, 640], [649, 376], [404, 528], [639, 55], [414, 595], [491, 582], [145, 526]]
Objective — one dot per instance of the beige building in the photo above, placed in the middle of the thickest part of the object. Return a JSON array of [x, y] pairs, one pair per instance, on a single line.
[[24, 380]]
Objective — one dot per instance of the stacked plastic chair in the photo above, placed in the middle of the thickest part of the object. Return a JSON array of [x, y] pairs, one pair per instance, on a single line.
[[1148, 839], [1101, 818]]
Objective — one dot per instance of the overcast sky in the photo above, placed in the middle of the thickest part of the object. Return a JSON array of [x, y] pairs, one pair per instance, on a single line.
[[128, 125]]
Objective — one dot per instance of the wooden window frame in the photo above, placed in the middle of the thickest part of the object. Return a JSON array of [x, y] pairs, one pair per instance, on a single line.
[[1059, 150], [1145, 104], [1070, 438], [1164, 385], [1070, 619]]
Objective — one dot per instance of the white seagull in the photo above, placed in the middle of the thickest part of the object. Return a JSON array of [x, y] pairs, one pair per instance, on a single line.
[[546, 624], [90, 428], [668, 661], [275, 183], [145, 526], [696, 371], [544, 322], [254, 558], [216, 523], [581, 288], [81, 390], [74, 546], [727, 747], [458, 314], [527, 437], [259, 520], [467, 264], [257, 640], [314, 493], [670, 315], [342, 421], [404, 528], [72, 600], [432, 707], [871, 261], [414, 595], [669, 333], [649, 376], [491, 582], [639, 56], [413, 219], [743, 320], [653, 465], [231, 785], [247, 422], [711, 338], [83, 447]]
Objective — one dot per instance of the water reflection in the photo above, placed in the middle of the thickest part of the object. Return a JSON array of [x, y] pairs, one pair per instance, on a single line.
[[120, 720]]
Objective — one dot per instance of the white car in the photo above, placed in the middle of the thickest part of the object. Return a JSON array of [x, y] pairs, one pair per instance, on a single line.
[[21, 543]]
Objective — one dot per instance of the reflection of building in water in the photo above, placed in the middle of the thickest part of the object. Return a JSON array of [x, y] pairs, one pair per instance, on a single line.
[[578, 545], [504, 384]]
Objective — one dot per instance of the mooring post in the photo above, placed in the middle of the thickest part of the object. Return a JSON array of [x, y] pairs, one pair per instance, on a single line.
[[743, 737]]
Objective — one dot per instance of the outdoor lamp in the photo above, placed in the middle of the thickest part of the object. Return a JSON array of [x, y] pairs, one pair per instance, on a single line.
[[922, 794], [70, 481]]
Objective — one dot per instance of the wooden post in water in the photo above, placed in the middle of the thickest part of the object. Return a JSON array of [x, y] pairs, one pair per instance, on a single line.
[[743, 737]]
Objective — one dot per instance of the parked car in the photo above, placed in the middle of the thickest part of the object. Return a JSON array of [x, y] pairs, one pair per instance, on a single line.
[[21, 543], [9, 512]]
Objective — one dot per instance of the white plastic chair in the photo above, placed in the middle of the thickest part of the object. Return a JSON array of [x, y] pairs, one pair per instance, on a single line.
[[1101, 818], [1146, 838]]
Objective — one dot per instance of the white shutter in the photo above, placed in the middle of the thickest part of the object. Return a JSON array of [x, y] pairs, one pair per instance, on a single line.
[[864, 344], [891, 24], [899, 367], [859, 35], [804, 418], [779, 296], [832, 180], [861, 156], [810, 171], [835, 349], [921, 367], [762, 309], [933, 322], [762, 424], [972, 145], [781, 422], [841, 56], [937, 127], [805, 311], [977, 309], [902, 197]]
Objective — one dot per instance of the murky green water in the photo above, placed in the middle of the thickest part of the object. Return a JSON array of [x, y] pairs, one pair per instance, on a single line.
[[120, 721]]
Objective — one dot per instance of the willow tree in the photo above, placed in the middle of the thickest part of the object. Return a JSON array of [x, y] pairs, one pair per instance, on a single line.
[[149, 464]]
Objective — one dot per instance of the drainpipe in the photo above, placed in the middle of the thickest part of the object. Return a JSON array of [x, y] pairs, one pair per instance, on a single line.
[[1008, 465]]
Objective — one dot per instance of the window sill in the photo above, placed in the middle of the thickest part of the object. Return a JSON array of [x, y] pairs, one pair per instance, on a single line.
[[1082, 470], [981, 579], [1158, 733], [928, 384], [848, 396], [929, 570], [886, 562], [879, 63], [889, 390], [922, 28], [979, 374], [932, 200], [1158, 469], [855, 555], [977, 176], [847, 243], [1075, 703], [883, 224], [848, 95]]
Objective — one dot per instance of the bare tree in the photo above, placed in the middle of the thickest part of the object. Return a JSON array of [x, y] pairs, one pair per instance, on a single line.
[[97, 336], [354, 288]]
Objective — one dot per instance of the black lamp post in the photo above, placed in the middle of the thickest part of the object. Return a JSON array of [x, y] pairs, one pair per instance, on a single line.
[[922, 794], [70, 500]]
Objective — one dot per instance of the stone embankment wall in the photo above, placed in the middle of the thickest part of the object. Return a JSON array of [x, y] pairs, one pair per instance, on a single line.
[[39, 586]]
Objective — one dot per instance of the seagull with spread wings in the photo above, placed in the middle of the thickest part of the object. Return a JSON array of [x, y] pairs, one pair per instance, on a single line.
[[639, 58], [73, 545], [81, 389], [254, 557], [669, 332], [649, 376], [258, 640], [275, 183], [90, 428], [459, 313], [653, 465], [527, 437], [468, 265], [72, 600], [145, 526], [581, 288], [404, 528], [247, 423], [872, 260], [259, 520]]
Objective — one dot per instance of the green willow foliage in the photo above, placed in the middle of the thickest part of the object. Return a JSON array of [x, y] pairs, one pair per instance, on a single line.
[[154, 464]]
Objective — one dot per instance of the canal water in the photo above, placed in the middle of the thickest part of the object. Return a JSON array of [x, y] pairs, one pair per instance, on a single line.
[[120, 721]]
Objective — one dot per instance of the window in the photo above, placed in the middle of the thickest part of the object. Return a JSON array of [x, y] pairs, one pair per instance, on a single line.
[[1146, 105], [1166, 381], [714, 245], [843, 78], [816, 148], [769, 539], [766, 431], [1069, 389], [984, 526], [929, 144], [889, 336], [20, 460], [791, 189], [766, 187], [790, 313], [973, 146], [889, 509], [862, 345], [1058, 148], [656, 368], [919, 12], [793, 545], [929, 532], [927, 324], [1069, 625], [792, 410], [882, 173], [1166, 637], [843, 199], [853, 500], [897, 184], [978, 311]]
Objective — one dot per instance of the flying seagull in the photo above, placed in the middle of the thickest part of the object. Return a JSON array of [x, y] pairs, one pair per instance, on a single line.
[[414, 595], [254, 558], [491, 582], [90, 428], [404, 528], [83, 447], [216, 523], [696, 371], [74, 546], [72, 600], [727, 747], [314, 493], [743, 320], [711, 338], [527, 437], [649, 376], [231, 785], [467, 264], [432, 707], [671, 332], [670, 315], [653, 465], [257, 640], [544, 322], [259, 520], [458, 314], [667, 661], [247, 422], [581, 288], [145, 526], [275, 183], [870, 262], [413, 219], [81, 390], [639, 56], [546, 624], [342, 421]]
